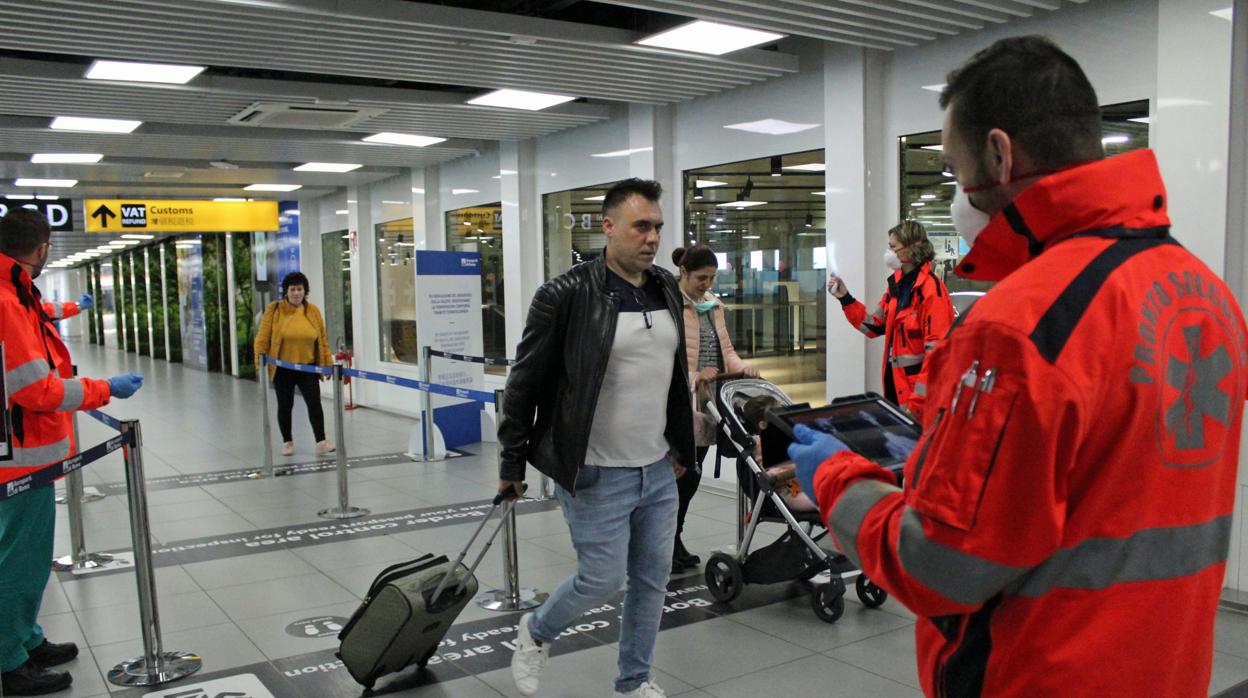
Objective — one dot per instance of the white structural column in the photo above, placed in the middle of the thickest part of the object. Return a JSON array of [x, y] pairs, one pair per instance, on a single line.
[[845, 152], [522, 234], [1237, 268], [1188, 129], [231, 306], [652, 148], [364, 329], [426, 213]]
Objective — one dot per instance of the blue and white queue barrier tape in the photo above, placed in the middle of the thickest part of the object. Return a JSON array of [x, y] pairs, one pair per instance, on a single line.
[[486, 360], [480, 396], [107, 420], [305, 368], [55, 471]]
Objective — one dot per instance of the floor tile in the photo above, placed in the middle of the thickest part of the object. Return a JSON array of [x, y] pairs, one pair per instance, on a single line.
[[590, 672], [215, 574], [221, 647], [890, 654], [813, 676], [683, 653], [269, 632], [794, 621], [279, 595], [116, 623]]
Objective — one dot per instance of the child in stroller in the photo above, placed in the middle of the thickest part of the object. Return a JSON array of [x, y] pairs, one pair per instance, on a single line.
[[740, 409]]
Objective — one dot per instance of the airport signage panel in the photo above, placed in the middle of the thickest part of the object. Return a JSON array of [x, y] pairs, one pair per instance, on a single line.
[[179, 216]]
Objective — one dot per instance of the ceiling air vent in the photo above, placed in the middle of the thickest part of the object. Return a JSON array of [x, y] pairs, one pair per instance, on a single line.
[[286, 115]]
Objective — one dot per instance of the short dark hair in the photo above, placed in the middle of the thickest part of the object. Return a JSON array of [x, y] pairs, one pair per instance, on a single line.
[[694, 257], [755, 410], [22, 231], [621, 191], [1035, 92], [294, 278]]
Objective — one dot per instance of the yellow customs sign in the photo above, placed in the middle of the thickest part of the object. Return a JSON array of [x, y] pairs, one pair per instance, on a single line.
[[179, 216]]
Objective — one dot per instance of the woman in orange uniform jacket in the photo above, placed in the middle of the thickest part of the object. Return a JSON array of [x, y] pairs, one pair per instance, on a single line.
[[914, 314]]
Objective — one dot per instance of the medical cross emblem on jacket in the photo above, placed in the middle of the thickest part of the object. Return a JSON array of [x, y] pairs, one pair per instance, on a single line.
[[1199, 395]]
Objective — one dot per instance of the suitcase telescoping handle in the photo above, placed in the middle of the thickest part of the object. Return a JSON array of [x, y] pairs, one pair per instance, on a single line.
[[500, 498]]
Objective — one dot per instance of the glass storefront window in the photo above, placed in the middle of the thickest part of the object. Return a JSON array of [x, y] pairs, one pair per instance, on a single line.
[[573, 227], [764, 219], [396, 291], [927, 189], [480, 229], [336, 267]]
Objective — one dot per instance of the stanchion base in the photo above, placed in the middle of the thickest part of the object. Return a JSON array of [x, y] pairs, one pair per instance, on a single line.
[[89, 494], [336, 513], [89, 562], [171, 667], [498, 600], [261, 474]]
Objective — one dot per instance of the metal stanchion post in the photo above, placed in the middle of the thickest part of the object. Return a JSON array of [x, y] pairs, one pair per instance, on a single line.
[[511, 597], [429, 440], [156, 666], [266, 421], [344, 510], [78, 557]]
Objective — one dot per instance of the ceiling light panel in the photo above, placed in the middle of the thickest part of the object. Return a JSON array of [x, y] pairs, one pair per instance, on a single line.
[[711, 38], [128, 71], [519, 99], [94, 125], [28, 182], [272, 187], [327, 167], [413, 140], [808, 167], [771, 127], [66, 158]]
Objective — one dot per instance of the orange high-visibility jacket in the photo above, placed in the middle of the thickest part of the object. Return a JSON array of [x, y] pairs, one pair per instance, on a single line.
[[912, 322], [61, 311], [1064, 527], [38, 375]]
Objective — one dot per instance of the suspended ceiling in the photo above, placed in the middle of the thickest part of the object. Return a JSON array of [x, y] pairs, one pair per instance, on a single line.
[[412, 65]]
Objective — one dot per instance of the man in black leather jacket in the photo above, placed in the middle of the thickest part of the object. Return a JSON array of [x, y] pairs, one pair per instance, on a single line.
[[599, 400]]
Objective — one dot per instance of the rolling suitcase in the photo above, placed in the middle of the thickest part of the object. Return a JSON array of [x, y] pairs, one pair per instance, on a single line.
[[408, 610]]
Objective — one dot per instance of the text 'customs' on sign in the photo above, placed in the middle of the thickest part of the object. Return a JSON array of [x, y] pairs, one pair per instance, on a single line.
[[179, 216]]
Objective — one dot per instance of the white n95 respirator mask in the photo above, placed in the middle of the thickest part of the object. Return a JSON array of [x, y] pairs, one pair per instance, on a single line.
[[967, 220]]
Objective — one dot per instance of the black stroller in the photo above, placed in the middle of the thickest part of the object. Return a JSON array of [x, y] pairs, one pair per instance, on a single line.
[[796, 555]]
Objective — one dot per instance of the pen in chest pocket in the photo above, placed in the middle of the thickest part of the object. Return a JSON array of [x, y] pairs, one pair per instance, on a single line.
[[985, 386], [968, 381]]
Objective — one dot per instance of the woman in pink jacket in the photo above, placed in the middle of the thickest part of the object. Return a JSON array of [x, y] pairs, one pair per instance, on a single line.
[[710, 353]]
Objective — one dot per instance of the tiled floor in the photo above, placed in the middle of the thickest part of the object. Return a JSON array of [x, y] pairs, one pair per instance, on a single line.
[[235, 609]]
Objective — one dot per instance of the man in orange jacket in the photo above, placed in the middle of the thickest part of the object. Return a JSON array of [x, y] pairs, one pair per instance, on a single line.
[[1066, 516], [42, 391]]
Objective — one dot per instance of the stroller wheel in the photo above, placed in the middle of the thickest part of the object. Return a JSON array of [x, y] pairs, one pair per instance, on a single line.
[[723, 577], [869, 594], [828, 602]]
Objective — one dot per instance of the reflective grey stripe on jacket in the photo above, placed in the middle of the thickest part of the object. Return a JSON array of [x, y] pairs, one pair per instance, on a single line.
[[1148, 555], [58, 311], [41, 455], [25, 375], [907, 360], [72, 399]]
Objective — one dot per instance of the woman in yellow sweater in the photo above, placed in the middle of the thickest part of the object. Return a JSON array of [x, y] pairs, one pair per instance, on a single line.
[[293, 330]]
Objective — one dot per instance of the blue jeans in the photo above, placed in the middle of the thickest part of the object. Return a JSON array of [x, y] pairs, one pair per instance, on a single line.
[[623, 526]]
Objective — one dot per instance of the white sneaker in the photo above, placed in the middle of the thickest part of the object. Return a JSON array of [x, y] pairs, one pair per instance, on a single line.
[[529, 659], [648, 689]]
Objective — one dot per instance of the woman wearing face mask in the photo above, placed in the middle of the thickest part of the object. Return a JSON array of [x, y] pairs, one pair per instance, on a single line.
[[914, 314], [710, 353], [293, 330]]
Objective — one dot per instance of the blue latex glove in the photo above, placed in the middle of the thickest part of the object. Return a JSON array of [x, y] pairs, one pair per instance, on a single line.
[[86, 302], [124, 386], [810, 448]]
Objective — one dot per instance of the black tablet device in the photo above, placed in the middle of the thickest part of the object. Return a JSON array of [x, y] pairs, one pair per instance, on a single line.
[[870, 425]]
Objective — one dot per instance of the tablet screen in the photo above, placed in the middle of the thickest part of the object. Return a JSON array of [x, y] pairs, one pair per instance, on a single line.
[[871, 427]]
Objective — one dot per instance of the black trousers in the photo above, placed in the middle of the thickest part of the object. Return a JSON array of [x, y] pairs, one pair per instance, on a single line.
[[284, 383], [687, 486]]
